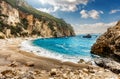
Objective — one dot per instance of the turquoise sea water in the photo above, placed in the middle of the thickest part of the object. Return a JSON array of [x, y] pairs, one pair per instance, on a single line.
[[68, 48]]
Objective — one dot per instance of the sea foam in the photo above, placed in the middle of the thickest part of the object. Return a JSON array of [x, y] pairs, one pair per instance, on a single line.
[[29, 47]]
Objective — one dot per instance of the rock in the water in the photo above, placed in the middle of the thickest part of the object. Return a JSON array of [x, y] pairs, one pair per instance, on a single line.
[[87, 36]]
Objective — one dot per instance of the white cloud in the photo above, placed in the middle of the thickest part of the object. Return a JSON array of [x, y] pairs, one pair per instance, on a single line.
[[84, 14], [49, 10], [94, 14], [64, 5], [92, 28], [114, 11]]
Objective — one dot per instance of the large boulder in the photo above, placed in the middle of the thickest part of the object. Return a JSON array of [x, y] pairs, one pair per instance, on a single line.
[[108, 44]]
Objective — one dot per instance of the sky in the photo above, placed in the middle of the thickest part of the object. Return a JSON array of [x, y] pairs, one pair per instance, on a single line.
[[86, 16]]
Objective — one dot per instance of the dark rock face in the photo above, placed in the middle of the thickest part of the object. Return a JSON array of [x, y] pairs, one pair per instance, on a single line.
[[108, 44], [87, 36]]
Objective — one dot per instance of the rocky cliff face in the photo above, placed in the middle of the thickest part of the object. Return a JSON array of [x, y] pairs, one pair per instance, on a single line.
[[17, 21], [108, 44], [10, 15], [108, 47]]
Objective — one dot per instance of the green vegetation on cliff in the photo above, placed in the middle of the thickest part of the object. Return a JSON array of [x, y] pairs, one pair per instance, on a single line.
[[38, 14], [18, 18]]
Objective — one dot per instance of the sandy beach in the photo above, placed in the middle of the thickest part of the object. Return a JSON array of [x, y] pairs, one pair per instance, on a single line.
[[14, 59]]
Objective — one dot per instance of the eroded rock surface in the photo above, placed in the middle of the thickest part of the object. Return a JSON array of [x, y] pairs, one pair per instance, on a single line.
[[108, 45]]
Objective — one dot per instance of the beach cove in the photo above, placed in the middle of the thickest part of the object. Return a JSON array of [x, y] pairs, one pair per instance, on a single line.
[[59, 39], [65, 48], [13, 59]]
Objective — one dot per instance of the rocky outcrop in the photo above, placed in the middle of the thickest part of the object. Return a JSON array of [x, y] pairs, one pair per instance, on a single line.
[[108, 44], [87, 36], [17, 20]]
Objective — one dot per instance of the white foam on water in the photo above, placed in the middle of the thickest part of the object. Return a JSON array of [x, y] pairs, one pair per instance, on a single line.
[[85, 50], [29, 47]]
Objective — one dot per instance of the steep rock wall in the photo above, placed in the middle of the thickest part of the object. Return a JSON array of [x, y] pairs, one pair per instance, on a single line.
[[20, 23], [108, 44]]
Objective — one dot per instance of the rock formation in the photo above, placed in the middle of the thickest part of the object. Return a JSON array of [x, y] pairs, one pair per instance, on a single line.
[[87, 36], [17, 18], [108, 46]]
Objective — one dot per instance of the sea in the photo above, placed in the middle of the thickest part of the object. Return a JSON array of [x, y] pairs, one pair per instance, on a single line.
[[65, 48]]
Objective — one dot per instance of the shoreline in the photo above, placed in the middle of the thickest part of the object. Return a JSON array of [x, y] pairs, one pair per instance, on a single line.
[[19, 55], [13, 59], [29, 47]]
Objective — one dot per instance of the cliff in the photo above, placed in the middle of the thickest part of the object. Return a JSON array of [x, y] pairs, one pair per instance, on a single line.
[[17, 19], [108, 47], [108, 44]]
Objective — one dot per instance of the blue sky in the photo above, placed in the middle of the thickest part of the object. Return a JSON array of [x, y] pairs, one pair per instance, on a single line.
[[86, 16]]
